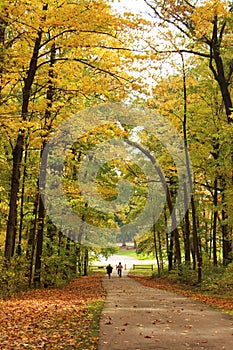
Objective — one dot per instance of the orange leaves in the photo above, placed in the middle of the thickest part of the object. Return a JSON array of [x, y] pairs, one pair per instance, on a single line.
[[52, 318]]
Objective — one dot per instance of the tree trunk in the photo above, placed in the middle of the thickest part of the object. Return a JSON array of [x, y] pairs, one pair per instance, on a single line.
[[226, 241], [79, 260], [39, 243], [219, 72], [85, 261], [196, 247], [156, 250], [18, 152], [49, 99], [31, 240], [169, 245], [186, 231], [19, 245], [160, 250], [12, 216], [215, 261]]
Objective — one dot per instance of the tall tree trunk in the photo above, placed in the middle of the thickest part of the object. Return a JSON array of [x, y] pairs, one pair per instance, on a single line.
[[31, 240], [39, 243], [85, 261], [186, 218], [19, 245], [3, 25], [169, 245], [218, 70], [18, 152], [41, 217], [226, 240], [186, 230], [156, 250], [196, 246], [215, 202], [79, 259], [193, 209], [160, 249]]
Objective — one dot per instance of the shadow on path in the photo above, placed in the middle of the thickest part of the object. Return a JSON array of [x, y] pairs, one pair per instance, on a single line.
[[136, 317]]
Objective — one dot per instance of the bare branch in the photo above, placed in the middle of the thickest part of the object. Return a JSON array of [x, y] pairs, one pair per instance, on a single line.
[[179, 51], [86, 63]]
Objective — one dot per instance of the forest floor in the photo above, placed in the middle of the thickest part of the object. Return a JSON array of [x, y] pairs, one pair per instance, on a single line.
[[152, 314], [60, 318], [158, 315]]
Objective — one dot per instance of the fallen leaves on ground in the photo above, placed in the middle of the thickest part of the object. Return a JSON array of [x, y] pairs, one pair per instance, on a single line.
[[164, 283], [49, 319]]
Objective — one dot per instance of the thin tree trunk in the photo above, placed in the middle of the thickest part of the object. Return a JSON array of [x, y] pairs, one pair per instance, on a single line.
[[186, 231], [195, 235], [19, 245], [196, 246], [41, 217], [156, 250], [226, 241], [79, 260], [160, 250], [85, 262], [169, 245], [39, 243], [31, 240], [215, 222]]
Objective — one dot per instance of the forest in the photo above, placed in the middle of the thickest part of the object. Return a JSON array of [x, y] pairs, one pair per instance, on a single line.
[[161, 79]]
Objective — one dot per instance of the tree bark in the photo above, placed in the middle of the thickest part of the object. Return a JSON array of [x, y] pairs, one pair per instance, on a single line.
[[226, 241], [215, 218], [41, 216], [18, 153], [219, 71]]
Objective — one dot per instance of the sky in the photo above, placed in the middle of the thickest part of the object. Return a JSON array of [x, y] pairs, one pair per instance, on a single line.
[[138, 7], [135, 6], [141, 8]]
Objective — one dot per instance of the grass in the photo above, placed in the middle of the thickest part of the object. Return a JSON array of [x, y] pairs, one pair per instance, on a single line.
[[132, 253], [91, 330], [216, 288], [141, 272], [144, 272]]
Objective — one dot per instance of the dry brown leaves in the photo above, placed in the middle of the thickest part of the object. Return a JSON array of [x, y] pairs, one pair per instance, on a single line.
[[51, 318]]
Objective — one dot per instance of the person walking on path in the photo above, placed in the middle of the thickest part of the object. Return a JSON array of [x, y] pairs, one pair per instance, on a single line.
[[109, 269], [136, 317], [119, 269]]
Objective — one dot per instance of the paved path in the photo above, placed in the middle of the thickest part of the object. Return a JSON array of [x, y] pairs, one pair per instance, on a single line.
[[136, 317]]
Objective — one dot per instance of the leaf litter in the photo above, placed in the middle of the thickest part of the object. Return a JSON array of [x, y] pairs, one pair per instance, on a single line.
[[60, 318]]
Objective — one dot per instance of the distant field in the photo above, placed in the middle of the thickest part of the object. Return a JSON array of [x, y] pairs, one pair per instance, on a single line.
[[133, 254]]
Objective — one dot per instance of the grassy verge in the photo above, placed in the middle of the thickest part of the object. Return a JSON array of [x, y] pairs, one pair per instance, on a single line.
[[87, 335], [132, 253], [141, 272]]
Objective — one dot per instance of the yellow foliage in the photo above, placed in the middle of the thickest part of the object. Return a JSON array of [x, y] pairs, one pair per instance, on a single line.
[[204, 15]]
